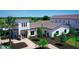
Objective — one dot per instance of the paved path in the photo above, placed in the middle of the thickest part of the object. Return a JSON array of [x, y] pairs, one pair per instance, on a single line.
[[30, 44], [52, 47]]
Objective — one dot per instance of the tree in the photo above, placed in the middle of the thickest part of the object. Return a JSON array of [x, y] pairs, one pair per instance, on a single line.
[[43, 43], [63, 38], [72, 30], [75, 33], [10, 22], [46, 18], [76, 37], [39, 32], [2, 25]]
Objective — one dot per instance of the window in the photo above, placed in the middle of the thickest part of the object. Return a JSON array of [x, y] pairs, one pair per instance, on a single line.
[[65, 30], [59, 21], [63, 21], [68, 22], [55, 21], [57, 32], [26, 24], [77, 22], [22, 24], [32, 32]]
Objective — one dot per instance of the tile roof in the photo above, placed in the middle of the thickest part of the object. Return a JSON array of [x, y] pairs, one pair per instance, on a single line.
[[75, 16], [46, 24]]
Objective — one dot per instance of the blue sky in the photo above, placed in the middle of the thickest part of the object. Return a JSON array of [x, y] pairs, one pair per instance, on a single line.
[[36, 13]]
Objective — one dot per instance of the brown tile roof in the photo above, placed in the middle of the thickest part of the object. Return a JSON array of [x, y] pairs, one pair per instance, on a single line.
[[76, 16], [46, 24]]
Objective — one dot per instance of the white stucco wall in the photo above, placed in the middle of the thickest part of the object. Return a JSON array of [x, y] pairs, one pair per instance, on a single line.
[[23, 28], [52, 31], [60, 29], [20, 27]]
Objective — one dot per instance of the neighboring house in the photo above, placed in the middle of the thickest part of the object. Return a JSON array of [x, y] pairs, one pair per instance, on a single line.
[[71, 20]]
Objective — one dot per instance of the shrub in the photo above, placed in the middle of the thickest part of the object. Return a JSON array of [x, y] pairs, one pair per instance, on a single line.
[[42, 43]]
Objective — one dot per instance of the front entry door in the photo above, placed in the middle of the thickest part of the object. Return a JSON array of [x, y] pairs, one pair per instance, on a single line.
[[24, 34]]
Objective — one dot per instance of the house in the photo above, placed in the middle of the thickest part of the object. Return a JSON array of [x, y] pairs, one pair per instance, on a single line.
[[71, 20], [24, 28], [50, 28]]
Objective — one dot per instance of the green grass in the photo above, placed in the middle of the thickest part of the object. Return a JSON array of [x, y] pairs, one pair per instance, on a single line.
[[72, 41]]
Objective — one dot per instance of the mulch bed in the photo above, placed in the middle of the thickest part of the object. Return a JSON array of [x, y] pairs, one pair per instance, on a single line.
[[19, 45], [58, 44], [16, 45]]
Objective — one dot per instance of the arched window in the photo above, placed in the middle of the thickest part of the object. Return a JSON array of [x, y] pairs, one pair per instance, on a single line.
[[65, 30], [57, 32]]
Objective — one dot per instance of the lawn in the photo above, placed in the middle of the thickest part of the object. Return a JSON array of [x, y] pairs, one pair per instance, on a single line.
[[72, 41]]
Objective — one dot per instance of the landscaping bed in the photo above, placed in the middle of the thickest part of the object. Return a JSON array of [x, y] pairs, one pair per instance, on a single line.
[[6, 45], [34, 39], [63, 45], [14, 45], [72, 41], [19, 45]]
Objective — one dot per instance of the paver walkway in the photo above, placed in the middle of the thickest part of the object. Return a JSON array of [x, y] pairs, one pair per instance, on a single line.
[[52, 46], [30, 44]]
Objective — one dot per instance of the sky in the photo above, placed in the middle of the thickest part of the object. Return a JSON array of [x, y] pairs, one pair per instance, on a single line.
[[35, 13]]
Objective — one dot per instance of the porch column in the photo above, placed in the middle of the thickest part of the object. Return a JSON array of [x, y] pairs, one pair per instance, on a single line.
[[28, 33], [19, 29], [19, 33]]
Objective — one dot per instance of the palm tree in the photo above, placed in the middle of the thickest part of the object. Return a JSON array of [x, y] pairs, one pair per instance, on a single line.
[[10, 22]]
